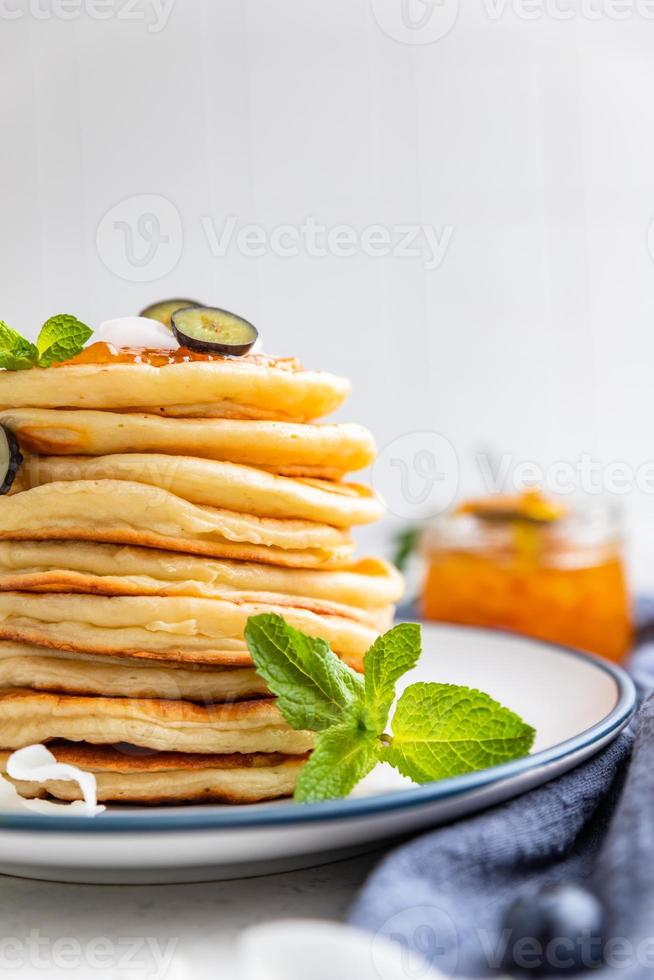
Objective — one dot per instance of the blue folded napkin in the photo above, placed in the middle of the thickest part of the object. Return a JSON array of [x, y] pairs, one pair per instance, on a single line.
[[445, 894]]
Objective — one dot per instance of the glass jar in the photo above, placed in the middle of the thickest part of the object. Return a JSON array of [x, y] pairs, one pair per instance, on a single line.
[[532, 566]]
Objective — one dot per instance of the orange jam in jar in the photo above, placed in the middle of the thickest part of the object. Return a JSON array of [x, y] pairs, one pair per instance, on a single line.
[[530, 565]]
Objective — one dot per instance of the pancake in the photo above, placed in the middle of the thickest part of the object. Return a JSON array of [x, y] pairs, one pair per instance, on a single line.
[[168, 777], [361, 590], [123, 512], [179, 629], [40, 669], [327, 451], [251, 387], [31, 717], [230, 486]]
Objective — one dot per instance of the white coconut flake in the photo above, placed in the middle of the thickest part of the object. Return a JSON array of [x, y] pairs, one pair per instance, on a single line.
[[35, 763], [135, 331]]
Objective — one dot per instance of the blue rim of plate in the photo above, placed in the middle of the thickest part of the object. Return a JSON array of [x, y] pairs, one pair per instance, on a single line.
[[210, 817]]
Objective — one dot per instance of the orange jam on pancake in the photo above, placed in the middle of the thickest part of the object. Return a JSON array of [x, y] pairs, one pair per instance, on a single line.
[[101, 354]]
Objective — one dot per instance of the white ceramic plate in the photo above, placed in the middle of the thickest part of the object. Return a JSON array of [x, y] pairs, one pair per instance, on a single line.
[[576, 703]]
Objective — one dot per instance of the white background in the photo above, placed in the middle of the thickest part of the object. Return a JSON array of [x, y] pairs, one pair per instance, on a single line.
[[532, 138]]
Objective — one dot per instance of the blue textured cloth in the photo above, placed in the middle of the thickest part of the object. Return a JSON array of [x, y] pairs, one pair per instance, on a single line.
[[445, 893]]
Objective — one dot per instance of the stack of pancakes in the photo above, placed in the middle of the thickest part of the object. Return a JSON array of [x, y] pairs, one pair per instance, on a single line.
[[157, 508]]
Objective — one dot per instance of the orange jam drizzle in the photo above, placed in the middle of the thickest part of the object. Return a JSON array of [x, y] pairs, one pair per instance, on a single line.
[[101, 353]]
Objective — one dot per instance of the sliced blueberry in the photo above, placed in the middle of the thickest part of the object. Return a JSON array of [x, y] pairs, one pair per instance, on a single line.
[[164, 310], [11, 459], [212, 331]]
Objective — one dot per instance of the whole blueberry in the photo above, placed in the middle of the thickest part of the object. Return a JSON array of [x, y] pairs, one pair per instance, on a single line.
[[559, 929]]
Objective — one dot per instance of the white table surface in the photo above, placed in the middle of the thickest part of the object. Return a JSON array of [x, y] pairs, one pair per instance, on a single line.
[[59, 930]]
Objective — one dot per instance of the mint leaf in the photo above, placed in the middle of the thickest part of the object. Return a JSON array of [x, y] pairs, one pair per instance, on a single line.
[[315, 689], [61, 337], [390, 656], [341, 758], [16, 353], [441, 730]]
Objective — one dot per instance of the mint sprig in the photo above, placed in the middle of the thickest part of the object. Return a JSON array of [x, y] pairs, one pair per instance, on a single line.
[[60, 338], [437, 731]]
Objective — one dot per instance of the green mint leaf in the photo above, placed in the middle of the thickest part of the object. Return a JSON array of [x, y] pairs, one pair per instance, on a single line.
[[61, 337], [315, 689], [342, 757], [16, 353], [390, 656], [441, 730]]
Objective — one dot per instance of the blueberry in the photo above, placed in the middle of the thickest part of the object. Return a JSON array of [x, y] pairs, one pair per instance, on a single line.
[[163, 310], [210, 330], [560, 929], [10, 459]]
